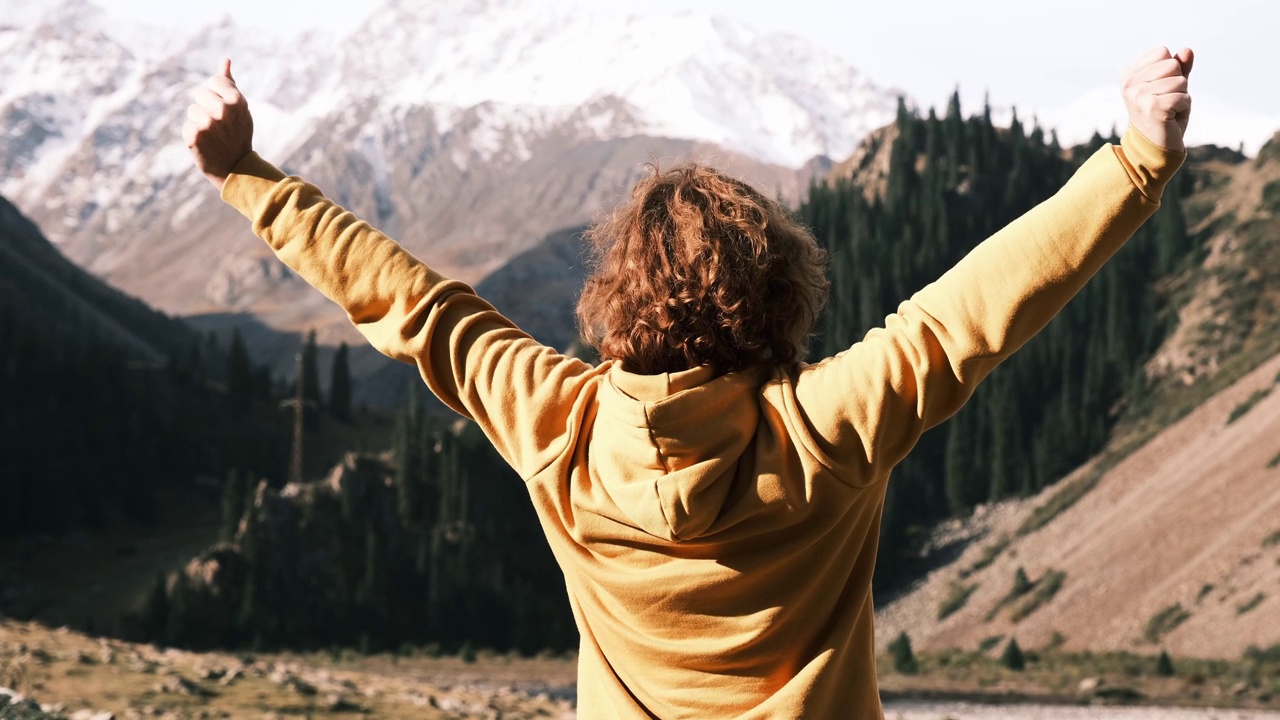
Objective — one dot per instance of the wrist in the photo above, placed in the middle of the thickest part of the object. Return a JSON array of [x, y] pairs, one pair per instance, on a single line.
[[1160, 136], [218, 180], [1150, 165]]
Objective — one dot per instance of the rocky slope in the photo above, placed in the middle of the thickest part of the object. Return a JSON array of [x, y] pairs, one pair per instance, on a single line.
[[1177, 547]]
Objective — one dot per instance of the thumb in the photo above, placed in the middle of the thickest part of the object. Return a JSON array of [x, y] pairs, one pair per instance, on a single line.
[[226, 69], [1186, 58]]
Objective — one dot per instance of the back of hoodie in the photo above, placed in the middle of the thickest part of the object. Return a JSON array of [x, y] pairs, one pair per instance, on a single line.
[[717, 534], [716, 567]]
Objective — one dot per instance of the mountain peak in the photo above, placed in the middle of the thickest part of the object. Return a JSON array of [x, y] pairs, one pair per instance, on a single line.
[[686, 75], [474, 128]]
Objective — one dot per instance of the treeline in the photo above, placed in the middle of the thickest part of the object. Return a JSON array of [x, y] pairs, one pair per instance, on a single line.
[[435, 543], [104, 402], [90, 433], [952, 182]]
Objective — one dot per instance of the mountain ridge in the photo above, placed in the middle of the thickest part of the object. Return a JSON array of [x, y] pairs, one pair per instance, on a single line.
[[467, 155]]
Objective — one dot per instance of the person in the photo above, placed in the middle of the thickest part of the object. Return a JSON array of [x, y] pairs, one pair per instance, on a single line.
[[713, 501]]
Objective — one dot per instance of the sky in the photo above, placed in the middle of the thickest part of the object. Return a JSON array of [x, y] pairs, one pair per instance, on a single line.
[[1059, 61]]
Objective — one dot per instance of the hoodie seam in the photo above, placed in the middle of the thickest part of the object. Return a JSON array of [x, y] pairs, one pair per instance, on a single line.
[[803, 436], [666, 469], [653, 439]]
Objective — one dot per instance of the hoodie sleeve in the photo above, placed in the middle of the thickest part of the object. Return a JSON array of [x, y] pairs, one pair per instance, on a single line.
[[866, 407], [475, 360]]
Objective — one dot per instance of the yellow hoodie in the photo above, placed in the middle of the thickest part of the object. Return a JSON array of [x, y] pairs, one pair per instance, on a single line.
[[717, 534]]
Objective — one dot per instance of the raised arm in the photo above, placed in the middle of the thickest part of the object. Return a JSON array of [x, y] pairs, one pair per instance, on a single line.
[[869, 405], [474, 359]]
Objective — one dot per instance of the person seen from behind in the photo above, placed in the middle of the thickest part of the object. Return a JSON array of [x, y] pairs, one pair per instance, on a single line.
[[713, 500]]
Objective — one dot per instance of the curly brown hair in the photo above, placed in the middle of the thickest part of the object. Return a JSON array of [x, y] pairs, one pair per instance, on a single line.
[[700, 269]]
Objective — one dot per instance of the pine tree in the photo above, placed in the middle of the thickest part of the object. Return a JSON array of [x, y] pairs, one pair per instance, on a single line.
[[904, 660], [239, 374], [234, 492], [410, 445], [1007, 426], [1012, 657], [310, 379], [195, 363], [953, 138], [176, 631], [155, 611], [1164, 665], [960, 449], [340, 385]]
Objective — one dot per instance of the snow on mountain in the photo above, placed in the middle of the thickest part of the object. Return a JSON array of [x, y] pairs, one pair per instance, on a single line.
[[690, 75], [468, 130], [772, 97]]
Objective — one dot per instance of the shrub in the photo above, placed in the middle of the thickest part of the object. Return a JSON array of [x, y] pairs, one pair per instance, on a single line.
[[989, 555], [1060, 501], [1259, 655], [956, 598], [1205, 589], [467, 653], [1164, 622], [904, 660], [1252, 603], [1164, 665], [1021, 584], [990, 642], [1045, 588], [1273, 538], [1271, 194], [1247, 405], [1012, 656]]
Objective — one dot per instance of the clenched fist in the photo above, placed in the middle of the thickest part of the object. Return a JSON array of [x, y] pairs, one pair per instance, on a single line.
[[219, 128], [1155, 93]]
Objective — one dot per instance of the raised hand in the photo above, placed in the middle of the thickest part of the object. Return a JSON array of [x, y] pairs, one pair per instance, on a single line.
[[219, 128], [1155, 93]]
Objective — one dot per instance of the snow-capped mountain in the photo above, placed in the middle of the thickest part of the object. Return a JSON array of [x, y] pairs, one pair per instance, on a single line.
[[469, 130], [773, 97]]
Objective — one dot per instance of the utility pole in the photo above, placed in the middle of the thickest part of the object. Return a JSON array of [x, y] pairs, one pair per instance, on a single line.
[[299, 404]]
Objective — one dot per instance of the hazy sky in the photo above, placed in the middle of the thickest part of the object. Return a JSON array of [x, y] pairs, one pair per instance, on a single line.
[[1036, 55]]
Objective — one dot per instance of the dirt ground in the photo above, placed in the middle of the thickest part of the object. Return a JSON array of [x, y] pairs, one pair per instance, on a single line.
[[71, 672]]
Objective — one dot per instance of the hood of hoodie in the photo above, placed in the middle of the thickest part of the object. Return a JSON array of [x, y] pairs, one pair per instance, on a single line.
[[667, 447]]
